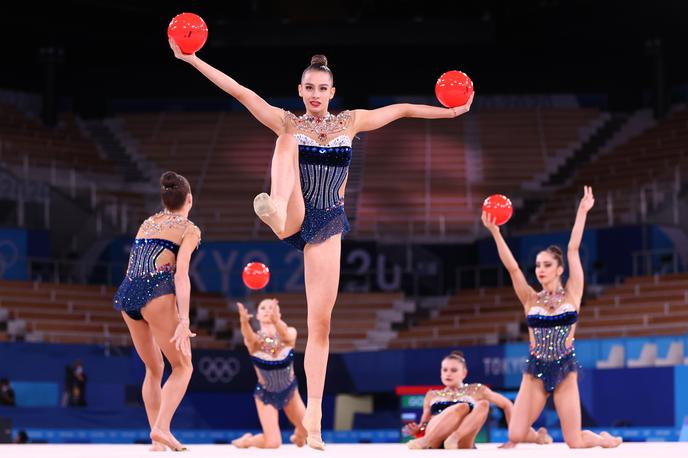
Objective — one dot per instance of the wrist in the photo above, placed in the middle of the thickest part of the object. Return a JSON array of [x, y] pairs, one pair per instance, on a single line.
[[184, 319]]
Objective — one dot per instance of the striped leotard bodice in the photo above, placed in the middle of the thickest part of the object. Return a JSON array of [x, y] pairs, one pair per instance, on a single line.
[[274, 364], [144, 257], [323, 170], [551, 334]]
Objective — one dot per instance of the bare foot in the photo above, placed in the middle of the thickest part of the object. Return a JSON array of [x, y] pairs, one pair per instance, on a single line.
[[298, 438], [272, 212], [609, 441], [311, 422], [157, 447], [241, 442], [166, 438], [417, 444], [543, 437], [507, 445], [452, 441]]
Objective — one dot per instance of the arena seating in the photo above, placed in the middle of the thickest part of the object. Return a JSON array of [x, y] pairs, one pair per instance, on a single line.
[[416, 172], [72, 313], [647, 163], [640, 306], [62, 146]]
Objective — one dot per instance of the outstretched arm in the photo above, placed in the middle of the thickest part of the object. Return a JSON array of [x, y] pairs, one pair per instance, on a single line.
[[576, 280], [523, 290], [250, 338], [271, 117], [366, 120]]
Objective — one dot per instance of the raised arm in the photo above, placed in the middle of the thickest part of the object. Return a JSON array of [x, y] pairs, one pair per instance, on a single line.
[[286, 334], [576, 280], [271, 117], [182, 286], [523, 290], [366, 120], [250, 337]]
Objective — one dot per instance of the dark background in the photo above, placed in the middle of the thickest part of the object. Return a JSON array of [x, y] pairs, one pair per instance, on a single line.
[[118, 49]]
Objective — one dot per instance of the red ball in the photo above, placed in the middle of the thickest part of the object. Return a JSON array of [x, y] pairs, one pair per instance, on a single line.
[[453, 89], [256, 275], [499, 207], [189, 31]]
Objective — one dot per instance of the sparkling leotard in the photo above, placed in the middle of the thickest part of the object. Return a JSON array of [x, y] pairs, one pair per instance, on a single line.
[[323, 169], [552, 355], [467, 394], [152, 263], [274, 364]]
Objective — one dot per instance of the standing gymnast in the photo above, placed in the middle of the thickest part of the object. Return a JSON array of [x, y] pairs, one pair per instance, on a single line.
[[305, 207], [154, 301], [552, 314]]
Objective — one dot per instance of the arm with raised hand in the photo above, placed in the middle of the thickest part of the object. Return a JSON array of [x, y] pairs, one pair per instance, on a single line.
[[576, 281], [250, 337], [286, 334], [367, 120], [268, 115], [523, 290]]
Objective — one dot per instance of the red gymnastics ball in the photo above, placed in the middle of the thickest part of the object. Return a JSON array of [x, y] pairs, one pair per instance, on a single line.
[[189, 31], [453, 89], [499, 207], [256, 275]]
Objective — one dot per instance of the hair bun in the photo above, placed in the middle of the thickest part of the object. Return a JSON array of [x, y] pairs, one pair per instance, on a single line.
[[169, 180], [173, 190], [319, 59], [555, 249]]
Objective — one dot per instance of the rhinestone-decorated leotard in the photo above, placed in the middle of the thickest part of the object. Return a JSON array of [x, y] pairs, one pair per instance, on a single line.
[[467, 394], [274, 363], [324, 157], [552, 355], [152, 262]]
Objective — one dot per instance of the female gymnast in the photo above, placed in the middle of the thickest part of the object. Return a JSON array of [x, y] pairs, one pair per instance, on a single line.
[[453, 416], [272, 351], [551, 314], [305, 207], [154, 301]]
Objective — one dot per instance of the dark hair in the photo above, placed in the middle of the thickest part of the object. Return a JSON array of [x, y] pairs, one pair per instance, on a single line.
[[556, 253], [318, 64], [457, 355], [173, 190]]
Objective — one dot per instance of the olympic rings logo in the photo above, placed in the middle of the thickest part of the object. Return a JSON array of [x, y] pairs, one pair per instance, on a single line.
[[219, 369]]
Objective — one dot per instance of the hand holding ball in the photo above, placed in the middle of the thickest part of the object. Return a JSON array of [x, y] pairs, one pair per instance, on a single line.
[[453, 89], [189, 31], [499, 208]]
